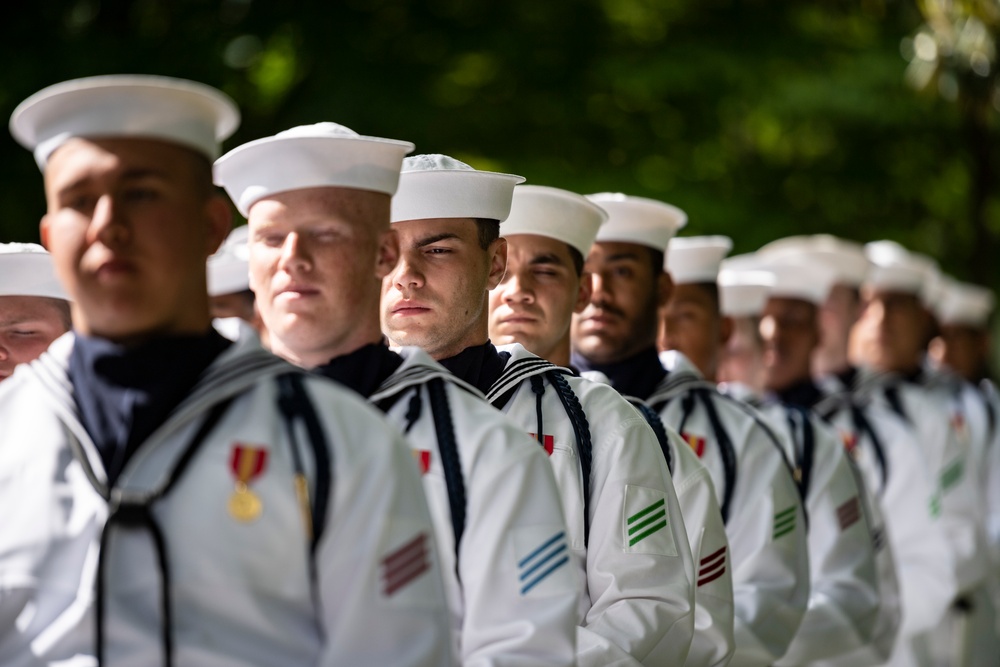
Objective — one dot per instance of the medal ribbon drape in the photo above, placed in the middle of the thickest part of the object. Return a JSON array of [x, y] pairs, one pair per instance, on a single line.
[[247, 463]]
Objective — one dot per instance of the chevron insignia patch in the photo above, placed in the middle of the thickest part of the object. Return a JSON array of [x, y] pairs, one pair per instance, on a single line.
[[543, 561], [849, 513], [645, 528], [712, 567], [784, 522]]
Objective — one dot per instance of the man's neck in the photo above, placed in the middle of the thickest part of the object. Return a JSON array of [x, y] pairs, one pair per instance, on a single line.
[[313, 357]]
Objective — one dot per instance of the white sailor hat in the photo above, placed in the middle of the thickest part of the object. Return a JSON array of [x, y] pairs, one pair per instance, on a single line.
[[229, 268], [638, 220], [743, 293], [26, 269], [896, 269], [964, 304], [793, 278], [141, 106], [696, 259], [310, 156], [845, 258], [554, 213], [439, 186]]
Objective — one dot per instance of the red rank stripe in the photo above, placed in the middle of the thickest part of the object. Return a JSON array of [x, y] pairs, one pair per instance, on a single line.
[[548, 442], [712, 567], [696, 443], [405, 564], [247, 462], [849, 513]]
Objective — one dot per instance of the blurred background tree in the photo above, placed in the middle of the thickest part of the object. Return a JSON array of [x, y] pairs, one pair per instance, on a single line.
[[761, 118]]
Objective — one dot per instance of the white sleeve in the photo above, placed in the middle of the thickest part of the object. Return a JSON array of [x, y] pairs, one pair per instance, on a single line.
[[639, 568], [767, 536], [957, 499], [380, 595], [924, 563], [713, 641], [844, 598], [516, 572]]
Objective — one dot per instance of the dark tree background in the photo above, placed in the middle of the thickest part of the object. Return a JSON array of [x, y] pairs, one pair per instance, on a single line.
[[762, 118]]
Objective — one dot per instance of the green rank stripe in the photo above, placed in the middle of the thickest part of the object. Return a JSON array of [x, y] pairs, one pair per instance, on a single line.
[[952, 474], [647, 521], [935, 506], [784, 522]]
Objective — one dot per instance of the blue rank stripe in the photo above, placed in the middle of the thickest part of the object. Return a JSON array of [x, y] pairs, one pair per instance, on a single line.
[[542, 562]]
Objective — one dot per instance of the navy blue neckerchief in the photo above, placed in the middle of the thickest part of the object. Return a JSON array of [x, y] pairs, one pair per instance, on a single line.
[[804, 394], [637, 376], [479, 365], [123, 393], [363, 370]]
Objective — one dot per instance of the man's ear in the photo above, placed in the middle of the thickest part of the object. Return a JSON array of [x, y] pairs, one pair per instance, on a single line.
[[498, 262], [664, 289], [43, 230], [220, 221], [388, 253], [584, 293], [726, 326]]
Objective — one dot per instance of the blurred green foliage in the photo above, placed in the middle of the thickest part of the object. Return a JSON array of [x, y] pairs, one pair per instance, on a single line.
[[761, 118]]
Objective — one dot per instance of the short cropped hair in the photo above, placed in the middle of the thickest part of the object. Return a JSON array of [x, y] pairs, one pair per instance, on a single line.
[[577, 258], [489, 231]]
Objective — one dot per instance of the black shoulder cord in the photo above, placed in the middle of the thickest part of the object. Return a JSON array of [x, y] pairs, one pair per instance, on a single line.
[[581, 430], [294, 402], [892, 397], [136, 514], [863, 425], [805, 447], [450, 461], [726, 451], [991, 413], [659, 431]]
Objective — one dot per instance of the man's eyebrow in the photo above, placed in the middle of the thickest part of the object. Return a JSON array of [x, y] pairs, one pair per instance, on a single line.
[[132, 174], [429, 240], [136, 173], [547, 258], [15, 320], [622, 256]]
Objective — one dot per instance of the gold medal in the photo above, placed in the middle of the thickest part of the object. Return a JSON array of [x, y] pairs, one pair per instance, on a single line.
[[244, 505]]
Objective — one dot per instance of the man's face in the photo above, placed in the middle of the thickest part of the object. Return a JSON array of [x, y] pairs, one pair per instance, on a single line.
[[690, 323], [741, 358], [534, 303], [436, 298], [891, 333], [837, 315], [28, 325], [130, 223], [965, 350], [317, 257], [790, 333], [620, 319]]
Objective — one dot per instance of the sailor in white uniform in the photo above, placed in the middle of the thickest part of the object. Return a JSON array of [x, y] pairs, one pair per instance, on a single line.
[[549, 232], [845, 601], [320, 244], [34, 308], [183, 500], [889, 342], [961, 350], [635, 571], [883, 445], [616, 335]]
